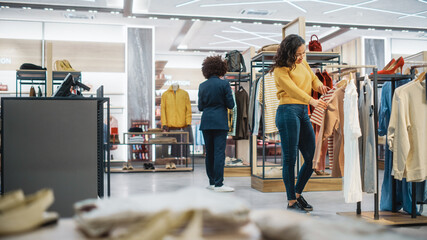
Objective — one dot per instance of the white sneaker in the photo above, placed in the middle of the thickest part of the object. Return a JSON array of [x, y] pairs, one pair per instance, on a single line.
[[223, 188], [210, 187]]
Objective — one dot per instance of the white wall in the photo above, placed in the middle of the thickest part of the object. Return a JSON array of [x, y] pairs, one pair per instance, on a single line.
[[404, 47]]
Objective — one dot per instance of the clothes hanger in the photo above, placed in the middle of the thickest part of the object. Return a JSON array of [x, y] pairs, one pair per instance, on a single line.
[[421, 77]]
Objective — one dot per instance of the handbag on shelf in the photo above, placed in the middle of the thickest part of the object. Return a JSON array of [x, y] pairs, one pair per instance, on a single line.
[[314, 45], [3, 87]]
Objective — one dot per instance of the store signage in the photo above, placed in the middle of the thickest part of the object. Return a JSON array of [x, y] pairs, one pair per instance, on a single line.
[[5, 60], [181, 83]]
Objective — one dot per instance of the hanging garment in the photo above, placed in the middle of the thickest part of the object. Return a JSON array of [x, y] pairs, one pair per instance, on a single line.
[[333, 125], [352, 181], [409, 111], [367, 148], [242, 101], [251, 107], [317, 118], [271, 103], [257, 110], [176, 108], [403, 189], [232, 118]]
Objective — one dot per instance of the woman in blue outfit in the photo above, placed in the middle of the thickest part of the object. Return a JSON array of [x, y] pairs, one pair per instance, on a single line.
[[294, 81], [214, 98]]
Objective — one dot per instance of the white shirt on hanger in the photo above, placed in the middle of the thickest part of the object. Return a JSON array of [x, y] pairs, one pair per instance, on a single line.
[[352, 181]]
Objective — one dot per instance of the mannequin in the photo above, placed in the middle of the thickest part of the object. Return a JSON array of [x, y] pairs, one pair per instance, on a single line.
[[175, 87], [176, 117]]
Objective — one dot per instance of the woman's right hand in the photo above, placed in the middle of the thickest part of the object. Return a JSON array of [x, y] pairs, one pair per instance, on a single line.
[[318, 103]]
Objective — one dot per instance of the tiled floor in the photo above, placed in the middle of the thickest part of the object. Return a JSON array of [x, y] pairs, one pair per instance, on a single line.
[[326, 204]]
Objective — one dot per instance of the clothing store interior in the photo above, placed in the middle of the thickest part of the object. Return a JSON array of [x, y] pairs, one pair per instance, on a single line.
[[103, 132]]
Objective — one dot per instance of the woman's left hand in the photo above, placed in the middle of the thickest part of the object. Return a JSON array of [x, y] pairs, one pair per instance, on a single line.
[[323, 89]]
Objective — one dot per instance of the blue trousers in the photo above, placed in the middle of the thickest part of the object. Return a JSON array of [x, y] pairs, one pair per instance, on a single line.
[[296, 133], [215, 141]]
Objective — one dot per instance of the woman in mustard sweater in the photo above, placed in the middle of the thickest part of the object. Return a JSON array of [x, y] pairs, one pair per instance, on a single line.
[[294, 81]]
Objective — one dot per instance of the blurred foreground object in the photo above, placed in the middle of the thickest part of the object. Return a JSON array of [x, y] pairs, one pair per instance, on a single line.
[[19, 213], [191, 211]]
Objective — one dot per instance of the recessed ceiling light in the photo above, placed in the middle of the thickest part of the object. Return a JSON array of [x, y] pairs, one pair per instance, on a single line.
[[420, 31], [174, 19], [26, 7], [71, 10], [114, 12], [371, 29], [335, 27], [277, 24], [215, 20], [237, 21], [196, 51], [257, 22], [405, 31], [93, 11], [353, 28], [152, 18], [186, 3], [316, 26], [388, 30], [4, 6], [48, 9], [195, 19]]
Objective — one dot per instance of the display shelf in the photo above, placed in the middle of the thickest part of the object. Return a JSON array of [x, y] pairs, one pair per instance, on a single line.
[[30, 77], [147, 135], [105, 94], [387, 218], [135, 170], [314, 184], [237, 171], [266, 157]]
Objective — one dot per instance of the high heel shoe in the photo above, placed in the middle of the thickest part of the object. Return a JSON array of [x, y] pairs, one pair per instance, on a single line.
[[389, 64], [392, 68]]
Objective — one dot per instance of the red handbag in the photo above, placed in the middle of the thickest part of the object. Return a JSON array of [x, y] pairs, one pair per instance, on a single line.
[[314, 45]]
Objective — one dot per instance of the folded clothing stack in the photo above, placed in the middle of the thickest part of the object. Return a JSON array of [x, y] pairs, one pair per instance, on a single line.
[[136, 139], [163, 140]]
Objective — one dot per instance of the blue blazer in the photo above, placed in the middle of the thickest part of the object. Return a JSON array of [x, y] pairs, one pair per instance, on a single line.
[[214, 98]]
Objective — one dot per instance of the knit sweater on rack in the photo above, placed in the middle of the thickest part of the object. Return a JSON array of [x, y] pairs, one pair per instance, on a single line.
[[294, 86]]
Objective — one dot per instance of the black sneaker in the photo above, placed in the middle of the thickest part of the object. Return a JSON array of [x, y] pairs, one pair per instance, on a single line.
[[296, 207], [304, 203]]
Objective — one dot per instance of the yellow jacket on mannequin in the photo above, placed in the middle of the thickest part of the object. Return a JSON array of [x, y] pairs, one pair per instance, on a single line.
[[176, 108]]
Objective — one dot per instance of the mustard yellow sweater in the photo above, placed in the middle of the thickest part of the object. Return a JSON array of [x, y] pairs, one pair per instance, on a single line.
[[294, 87]]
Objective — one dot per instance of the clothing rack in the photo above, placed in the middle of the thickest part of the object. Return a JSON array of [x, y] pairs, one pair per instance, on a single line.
[[374, 69], [236, 83], [383, 78]]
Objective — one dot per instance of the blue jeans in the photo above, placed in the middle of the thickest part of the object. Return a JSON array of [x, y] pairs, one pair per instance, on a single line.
[[296, 133], [215, 141]]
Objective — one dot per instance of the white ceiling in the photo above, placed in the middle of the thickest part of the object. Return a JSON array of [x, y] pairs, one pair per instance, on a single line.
[[190, 34]]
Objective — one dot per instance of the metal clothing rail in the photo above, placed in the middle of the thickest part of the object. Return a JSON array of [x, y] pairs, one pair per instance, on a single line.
[[392, 78], [375, 69]]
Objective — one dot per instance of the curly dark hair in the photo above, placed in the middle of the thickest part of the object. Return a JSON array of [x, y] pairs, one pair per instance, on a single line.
[[214, 66], [285, 56]]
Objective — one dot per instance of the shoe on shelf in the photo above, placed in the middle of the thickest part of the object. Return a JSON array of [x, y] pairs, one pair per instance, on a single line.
[[321, 173], [168, 166], [125, 166], [210, 187], [151, 166], [304, 204], [393, 67], [173, 166], [130, 167], [296, 207], [223, 188]]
